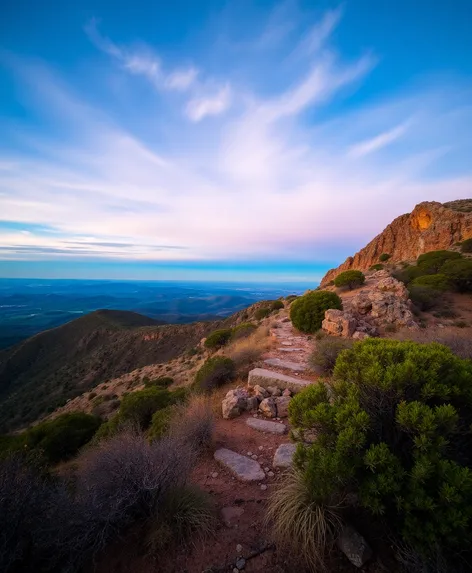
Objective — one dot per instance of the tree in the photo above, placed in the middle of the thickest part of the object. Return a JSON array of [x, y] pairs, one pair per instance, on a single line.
[[460, 273], [432, 262], [307, 311], [351, 279], [438, 282]]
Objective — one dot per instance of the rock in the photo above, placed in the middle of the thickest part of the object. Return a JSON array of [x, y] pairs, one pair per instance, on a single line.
[[271, 378], [239, 548], [235, 570], [230, 515], [274, 391], [259, 392], [252, 403], [263, 487], [339, 323], [249, 454], [242, 467], [266, 426], [281, 404], [268, 407], [285, 364], [286, 392], [354, 546], [261, 448], [283, 456], [429, 227], [290, 349], [254, 457], [234, 403], [358, 335], [270, 474], [240, 564], [286, 343], [214, 475], [266, 469]]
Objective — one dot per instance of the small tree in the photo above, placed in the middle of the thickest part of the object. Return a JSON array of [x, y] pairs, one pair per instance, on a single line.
[[432, 262], [376, 267], [351, 279], [307, 311], [215, 371], [218, 338], [437, 282], [460, 273], [384, 257]]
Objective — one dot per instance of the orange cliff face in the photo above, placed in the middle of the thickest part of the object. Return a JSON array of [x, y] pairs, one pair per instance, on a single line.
[[430, 226]]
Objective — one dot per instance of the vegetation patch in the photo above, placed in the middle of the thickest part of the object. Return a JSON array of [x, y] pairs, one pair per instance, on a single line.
[[215, 372], [376, 267], [307, 312], [350, 279], [384, 257], [218, 338]]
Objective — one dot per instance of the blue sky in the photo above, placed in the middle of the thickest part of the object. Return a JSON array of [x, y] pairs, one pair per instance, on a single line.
[[233, 140]]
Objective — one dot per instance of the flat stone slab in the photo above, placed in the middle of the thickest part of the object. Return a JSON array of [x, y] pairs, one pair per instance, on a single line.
[[290, 349], [286, 343], [265, 377], [266, 426], [283, 457], [242, 467], [278, 363]]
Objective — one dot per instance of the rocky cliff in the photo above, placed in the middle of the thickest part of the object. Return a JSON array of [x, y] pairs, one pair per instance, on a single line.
[[429, 227]]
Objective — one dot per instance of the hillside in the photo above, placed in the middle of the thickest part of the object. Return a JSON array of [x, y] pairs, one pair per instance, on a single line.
[[41, 373], [430, 226]]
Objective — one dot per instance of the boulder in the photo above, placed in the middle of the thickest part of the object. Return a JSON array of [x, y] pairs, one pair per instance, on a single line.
[[274, 391], [286, 392], [285, 364], [266, 427], [354, 546], [339, 323], [271, 378], [252, 403], [242, 467], [260, 392], [283, 456], [234, 403], [282, 403], [268, 407]]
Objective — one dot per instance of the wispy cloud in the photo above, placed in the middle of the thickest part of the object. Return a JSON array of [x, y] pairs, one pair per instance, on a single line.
[[211, 104], [379, 141]]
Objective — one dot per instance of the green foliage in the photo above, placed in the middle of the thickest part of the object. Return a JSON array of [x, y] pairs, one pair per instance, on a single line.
[[161, 382], [460, 274], [323, 357], [409, 274], [376, 267], [10, 444], [160, 423], [242, 330], [432, 262], [351, 279], [218, 338], [424, 297], [277, 305], [466, 246], [138, 407], [384, 257], [215, 371], [262, 312], [291, 297], [438, 282], [61, 438], [307, 312], [395, 429]]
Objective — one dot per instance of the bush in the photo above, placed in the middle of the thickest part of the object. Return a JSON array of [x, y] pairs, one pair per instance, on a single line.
[[438, 282], [395, 431], [466, 246], [432, 262], [262, 312], [215, 371], [243, 330], [377, 267], [137, 408], [160, 423], [193, 424], [61, 438], [323, 357], [218, 338], [307, 312], [408, 274], [424, 297], [460, 273], [291, 297], [384, 257], [277, 305], [161, 382], [351, 279]]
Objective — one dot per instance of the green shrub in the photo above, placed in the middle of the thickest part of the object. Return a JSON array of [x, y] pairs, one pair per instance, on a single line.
[[409, 274], [61, 438], [138, 407], [424, 297], [460, 274], [307, 312], [218, 338], [291, 297], [394, 429], [262, 312], [276, 305], [327, 349], [432, 262], [161, 382], [438, 282], [10, 444], [160, 423], [384, 257], [376, 267], [243, 330], [351, 279], [466, 246], [215, 371]]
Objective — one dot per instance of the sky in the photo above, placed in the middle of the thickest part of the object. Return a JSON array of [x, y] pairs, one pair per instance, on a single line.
[[224, 140]]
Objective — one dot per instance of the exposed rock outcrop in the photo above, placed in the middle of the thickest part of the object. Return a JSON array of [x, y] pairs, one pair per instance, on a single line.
[[430, 226]]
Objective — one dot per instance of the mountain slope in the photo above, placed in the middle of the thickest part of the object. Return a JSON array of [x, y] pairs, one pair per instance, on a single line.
[[430, 226]]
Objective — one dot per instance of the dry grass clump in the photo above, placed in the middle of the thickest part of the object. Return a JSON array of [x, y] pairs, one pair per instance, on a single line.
[[326, 350], [458, 341], [246, 351], [193, 423], [299, 525]]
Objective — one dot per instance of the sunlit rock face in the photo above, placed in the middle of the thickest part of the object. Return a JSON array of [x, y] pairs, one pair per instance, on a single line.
[[429, 227]]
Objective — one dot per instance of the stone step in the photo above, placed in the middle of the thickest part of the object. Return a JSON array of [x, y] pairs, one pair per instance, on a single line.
[[290, 349], [265, 378], [285, 364], [283, 457], [286, 343], [242, 467], [266, 426]]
